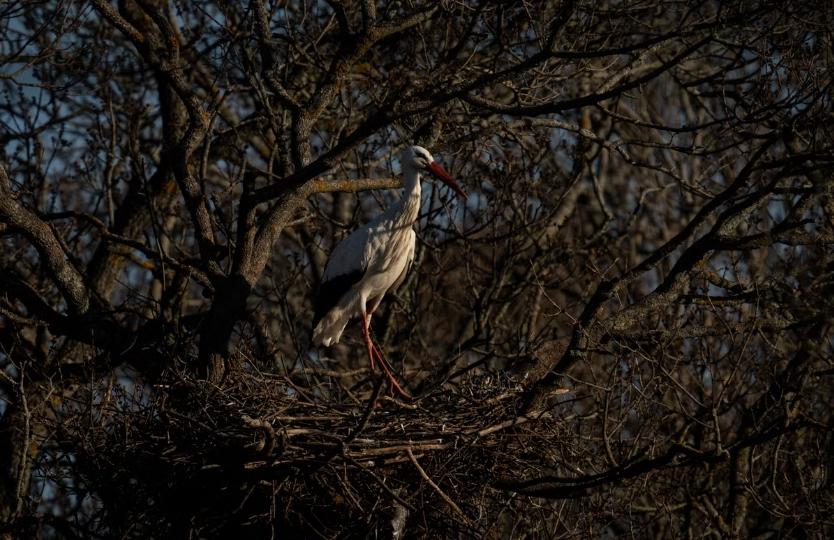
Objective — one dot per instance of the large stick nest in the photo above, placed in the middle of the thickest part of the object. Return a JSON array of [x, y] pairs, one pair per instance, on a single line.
[[291, 453]]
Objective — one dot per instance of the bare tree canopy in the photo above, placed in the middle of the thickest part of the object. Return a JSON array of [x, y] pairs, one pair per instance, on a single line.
[[625, 330]]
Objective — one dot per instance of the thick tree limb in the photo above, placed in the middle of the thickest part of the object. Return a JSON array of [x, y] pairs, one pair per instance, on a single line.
[[57, 262]]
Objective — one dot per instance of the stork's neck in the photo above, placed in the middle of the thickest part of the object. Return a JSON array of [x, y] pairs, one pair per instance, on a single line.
[[410, 203]]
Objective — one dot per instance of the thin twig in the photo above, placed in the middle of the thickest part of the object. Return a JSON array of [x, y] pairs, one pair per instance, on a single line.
[[437, 489]]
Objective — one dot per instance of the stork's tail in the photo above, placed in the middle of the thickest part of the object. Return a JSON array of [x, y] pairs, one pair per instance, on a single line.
[[329, 329]]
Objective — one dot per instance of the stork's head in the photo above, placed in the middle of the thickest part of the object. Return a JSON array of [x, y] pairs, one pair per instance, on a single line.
[[421, 159]]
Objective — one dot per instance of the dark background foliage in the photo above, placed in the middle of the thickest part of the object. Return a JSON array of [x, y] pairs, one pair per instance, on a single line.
[[624, 331]]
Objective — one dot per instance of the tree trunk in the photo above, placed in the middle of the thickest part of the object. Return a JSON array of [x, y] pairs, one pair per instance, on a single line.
[[15, 471], [228, 307]]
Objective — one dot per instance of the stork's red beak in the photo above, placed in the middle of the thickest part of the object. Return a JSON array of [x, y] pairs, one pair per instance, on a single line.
[[438, 171]]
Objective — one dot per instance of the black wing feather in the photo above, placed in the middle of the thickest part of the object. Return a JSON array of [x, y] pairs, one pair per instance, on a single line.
[[331, 291]]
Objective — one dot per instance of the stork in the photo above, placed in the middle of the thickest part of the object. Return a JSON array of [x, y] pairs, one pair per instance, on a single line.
[[373, 260]]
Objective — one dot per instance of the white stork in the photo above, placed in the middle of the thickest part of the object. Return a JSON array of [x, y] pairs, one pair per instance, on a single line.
[[374, 259]]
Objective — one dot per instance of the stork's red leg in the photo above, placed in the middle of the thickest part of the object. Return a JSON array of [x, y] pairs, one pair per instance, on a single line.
[[389, 371], [368, 343], [374, 351]]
